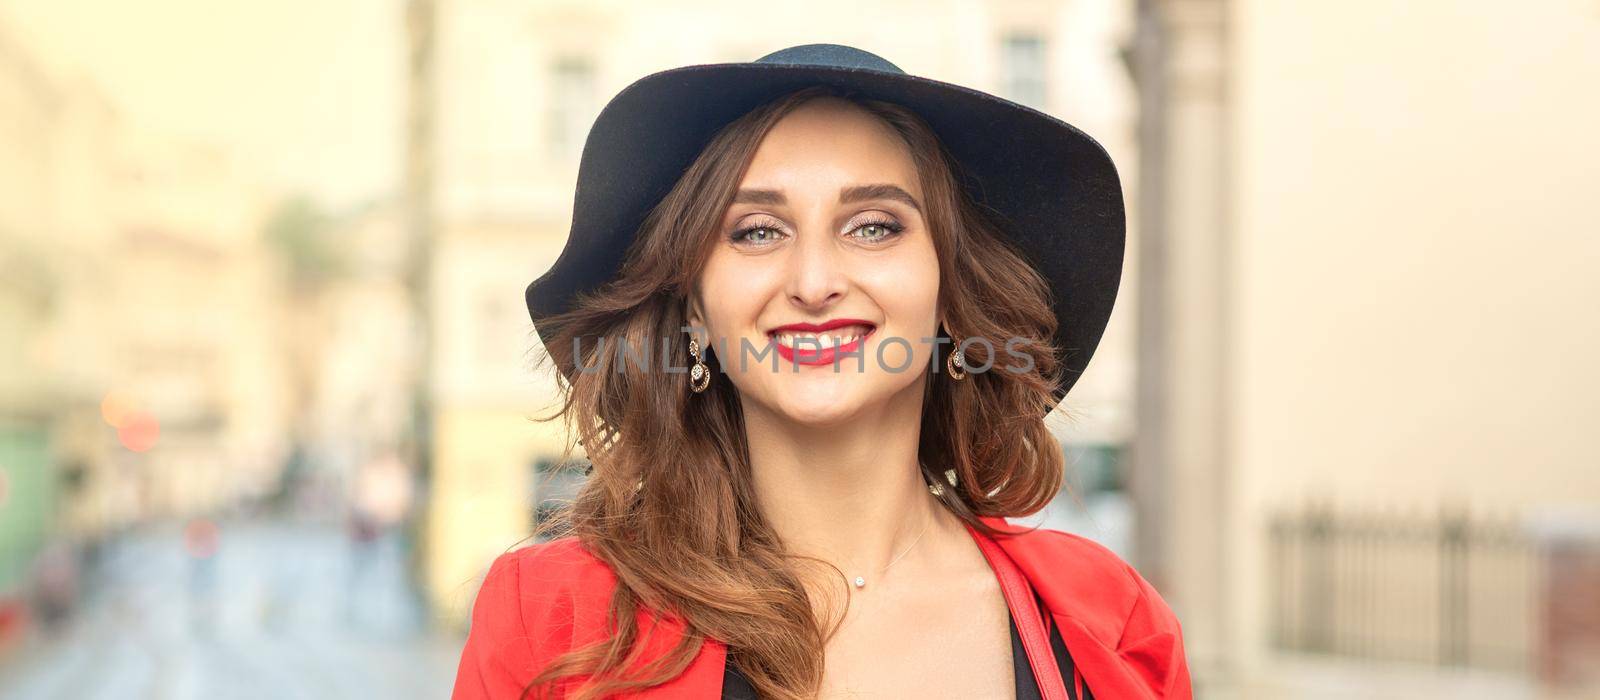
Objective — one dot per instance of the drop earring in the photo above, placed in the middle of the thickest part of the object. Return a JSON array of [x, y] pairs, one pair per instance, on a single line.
[[956, 364], [699, 374]]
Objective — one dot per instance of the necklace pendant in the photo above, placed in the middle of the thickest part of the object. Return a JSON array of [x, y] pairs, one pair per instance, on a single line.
[[861, 582]]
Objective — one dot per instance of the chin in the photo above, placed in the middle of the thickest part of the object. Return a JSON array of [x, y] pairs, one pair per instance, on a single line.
[[817, 403], [818, 416]]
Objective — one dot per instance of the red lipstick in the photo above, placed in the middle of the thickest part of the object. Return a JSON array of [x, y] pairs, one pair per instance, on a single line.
[[810, 353]]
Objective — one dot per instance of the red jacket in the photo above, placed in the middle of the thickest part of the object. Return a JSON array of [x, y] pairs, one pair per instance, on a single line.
[[538, 602]]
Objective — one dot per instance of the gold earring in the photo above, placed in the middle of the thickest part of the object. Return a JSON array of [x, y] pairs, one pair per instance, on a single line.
[[956, 364], [699, 374]]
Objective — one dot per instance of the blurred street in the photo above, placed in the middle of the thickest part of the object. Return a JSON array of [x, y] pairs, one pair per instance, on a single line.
[[269, 615]]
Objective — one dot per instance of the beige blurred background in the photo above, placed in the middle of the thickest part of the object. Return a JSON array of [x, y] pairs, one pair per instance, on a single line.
[[265, 407]]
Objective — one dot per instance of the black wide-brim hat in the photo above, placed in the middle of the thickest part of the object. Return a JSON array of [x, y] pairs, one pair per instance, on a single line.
[[1055, 188]]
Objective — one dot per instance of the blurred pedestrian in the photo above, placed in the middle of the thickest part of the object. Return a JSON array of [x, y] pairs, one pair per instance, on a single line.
[[55, 584], [201, 541], [380, 500]]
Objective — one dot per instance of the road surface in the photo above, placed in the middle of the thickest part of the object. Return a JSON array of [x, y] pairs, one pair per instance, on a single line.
[[280, 611]]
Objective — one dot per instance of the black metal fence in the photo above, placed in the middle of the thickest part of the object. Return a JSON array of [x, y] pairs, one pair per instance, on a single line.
[[1447, 589]]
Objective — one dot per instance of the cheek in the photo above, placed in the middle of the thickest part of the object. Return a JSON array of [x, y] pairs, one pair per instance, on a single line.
[[907, 291], [732, 293]]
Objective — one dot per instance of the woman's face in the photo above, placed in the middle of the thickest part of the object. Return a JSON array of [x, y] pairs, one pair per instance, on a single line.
[[822, 291]]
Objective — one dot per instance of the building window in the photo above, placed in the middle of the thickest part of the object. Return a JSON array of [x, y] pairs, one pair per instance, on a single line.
[[572, 108], [1094, 468], [555, 484], [1094, 501], [1022, 70]]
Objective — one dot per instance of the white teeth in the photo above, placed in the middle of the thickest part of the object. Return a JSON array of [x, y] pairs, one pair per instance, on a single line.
[[823, 340]]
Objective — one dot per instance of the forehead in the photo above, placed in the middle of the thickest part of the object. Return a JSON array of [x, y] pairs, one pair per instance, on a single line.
[[827, 143]]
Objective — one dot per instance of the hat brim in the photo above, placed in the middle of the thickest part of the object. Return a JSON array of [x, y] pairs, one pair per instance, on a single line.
[[1055, 189]]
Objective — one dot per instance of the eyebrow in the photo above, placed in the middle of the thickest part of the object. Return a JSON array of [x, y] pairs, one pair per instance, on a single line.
[[848, 195]]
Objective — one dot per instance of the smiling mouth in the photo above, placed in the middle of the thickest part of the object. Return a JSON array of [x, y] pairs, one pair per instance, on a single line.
[[820, 340], [820, 347]]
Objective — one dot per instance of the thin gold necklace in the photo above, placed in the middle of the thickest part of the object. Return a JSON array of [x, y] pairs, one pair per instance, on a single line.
[[861, 581]]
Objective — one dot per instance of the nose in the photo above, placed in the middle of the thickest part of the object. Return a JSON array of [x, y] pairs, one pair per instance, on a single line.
[[817, 279]]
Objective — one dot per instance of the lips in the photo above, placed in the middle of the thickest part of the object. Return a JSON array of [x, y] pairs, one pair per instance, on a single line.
[[820, 343]]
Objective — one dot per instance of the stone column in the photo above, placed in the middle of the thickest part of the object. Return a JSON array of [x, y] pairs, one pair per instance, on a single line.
[[1180, 475]]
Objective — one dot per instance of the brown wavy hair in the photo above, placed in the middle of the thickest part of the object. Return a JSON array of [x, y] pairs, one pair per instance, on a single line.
[[669, 503]]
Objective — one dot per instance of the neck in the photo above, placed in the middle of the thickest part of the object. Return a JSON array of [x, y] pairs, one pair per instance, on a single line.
[[850, 493]]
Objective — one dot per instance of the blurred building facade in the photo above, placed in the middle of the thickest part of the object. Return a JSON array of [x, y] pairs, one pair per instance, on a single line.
[[142, 381], [519, 82], [28, 104], [1367, 307]]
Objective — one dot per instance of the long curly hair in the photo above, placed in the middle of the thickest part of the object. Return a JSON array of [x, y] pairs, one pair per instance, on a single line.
[[669, 503]]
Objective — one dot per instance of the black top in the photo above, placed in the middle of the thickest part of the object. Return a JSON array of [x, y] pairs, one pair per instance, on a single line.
[[736, 687]]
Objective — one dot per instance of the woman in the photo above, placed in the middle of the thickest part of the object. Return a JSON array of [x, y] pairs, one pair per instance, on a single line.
[[811, 316]]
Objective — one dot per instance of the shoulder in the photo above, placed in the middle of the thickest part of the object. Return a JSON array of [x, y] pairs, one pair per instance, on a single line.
[[534, 604], [559, 565], [557, 584], [1077, 564], [1055, 546], [1086, 579]]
